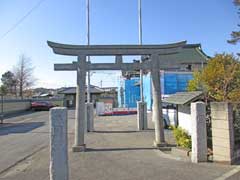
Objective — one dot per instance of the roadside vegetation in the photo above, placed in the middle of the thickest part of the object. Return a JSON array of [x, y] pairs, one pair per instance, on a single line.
[[183, 139], [17, 82], [219, 79]]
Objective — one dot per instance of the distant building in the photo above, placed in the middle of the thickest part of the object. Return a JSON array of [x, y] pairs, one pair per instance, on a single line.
[[174, 79], [96, 94]]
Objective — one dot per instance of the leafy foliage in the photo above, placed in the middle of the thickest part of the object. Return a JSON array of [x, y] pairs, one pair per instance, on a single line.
[[3, 90], [9, 81], [183, 139], [235, 35], [220, 79]]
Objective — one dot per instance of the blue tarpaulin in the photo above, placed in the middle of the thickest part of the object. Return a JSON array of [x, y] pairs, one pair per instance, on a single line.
[[171, 82]]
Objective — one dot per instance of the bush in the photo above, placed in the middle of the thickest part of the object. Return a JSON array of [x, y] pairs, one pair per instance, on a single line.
[[183, 139]]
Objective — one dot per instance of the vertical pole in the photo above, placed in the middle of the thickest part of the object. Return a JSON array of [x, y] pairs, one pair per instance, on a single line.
[[142, 106], [157, 116], [80, 105], [140, 43], [2, 109], [89, 105], [88, 58]]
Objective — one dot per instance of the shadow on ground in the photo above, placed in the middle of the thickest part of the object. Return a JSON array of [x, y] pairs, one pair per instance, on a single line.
[[117, 149], [16, 128], [18, 114], [116, 131]]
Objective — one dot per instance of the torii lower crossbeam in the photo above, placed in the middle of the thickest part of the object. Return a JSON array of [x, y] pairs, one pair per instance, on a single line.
[[156, 62]]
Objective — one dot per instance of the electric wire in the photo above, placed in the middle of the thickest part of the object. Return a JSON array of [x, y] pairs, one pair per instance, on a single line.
[[22, 19]]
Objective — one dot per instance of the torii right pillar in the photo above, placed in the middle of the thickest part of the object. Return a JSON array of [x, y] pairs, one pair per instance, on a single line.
[[157, 116]]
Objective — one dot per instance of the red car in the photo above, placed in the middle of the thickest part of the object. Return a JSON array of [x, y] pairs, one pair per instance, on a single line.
[[41, 105]]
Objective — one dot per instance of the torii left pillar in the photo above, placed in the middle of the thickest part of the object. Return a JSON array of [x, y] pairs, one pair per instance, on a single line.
[[79, 144]]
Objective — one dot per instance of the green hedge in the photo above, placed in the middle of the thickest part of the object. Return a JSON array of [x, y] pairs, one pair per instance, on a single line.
[[183, 139]]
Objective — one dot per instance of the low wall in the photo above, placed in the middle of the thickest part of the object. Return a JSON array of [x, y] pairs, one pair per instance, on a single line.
[[184, 118], [16, 105], [225, 146], [170, 115]]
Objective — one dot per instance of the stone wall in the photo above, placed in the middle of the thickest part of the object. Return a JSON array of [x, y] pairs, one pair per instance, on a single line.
[[223, 133]]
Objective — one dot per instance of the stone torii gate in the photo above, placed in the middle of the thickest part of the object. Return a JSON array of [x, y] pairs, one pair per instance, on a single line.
[[156, 62]]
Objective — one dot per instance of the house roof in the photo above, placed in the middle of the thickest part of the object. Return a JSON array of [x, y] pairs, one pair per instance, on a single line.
[[72, 90], [182, 98], [190, 54]]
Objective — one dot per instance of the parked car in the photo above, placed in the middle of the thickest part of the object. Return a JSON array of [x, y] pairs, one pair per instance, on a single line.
[[41, 105]]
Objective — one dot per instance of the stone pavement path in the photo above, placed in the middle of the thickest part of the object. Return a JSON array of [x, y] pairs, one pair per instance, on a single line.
[[117, 151]]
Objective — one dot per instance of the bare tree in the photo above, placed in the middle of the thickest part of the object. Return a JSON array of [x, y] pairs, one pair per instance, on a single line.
[[24, 74]]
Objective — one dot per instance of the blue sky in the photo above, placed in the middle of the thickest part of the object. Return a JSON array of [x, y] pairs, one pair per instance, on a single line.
[[208, 22]]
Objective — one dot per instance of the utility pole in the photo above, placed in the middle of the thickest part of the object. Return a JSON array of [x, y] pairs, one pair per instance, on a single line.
[[89, 124], [140, 43], [141, 105], [88, 58]]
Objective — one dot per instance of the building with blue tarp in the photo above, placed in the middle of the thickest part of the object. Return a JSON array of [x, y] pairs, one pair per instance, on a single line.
[[129, 92], [173, 80], [171, 83]]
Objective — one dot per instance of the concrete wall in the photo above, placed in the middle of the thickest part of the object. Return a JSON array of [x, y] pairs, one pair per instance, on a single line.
[[11, 106], [223, 133], [170, 115], [184, 118]]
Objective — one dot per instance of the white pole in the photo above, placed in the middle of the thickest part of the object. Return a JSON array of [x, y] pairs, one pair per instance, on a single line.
[[140, 21], [88, 43], [140, 43]]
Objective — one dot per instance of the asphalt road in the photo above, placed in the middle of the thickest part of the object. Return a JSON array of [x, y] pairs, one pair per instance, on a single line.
[[114, 151], [22, 136]]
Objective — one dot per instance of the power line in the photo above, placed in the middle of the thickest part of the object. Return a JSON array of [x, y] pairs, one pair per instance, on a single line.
[[22, 19]]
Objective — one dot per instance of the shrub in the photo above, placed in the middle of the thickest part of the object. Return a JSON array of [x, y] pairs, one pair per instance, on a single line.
[[183, 139]]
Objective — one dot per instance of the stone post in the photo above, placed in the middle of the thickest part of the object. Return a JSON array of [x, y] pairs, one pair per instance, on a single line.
[[58, 144], [157, 116], [199, 132], [89, 117], [142, 116], [80, 105], [222, 132]]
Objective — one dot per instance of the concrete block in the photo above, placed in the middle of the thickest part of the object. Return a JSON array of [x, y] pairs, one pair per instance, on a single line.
[[219, 106], [219, 115], [89, 117], [220, 124], [222, 151], [142, 116], [222, 142], [79, 148], [58, 144], [221, 159], [199, 132], [220, 133]]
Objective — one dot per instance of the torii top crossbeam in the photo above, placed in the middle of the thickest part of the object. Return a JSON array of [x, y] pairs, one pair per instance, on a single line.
[[156, 62], [111, 50]]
